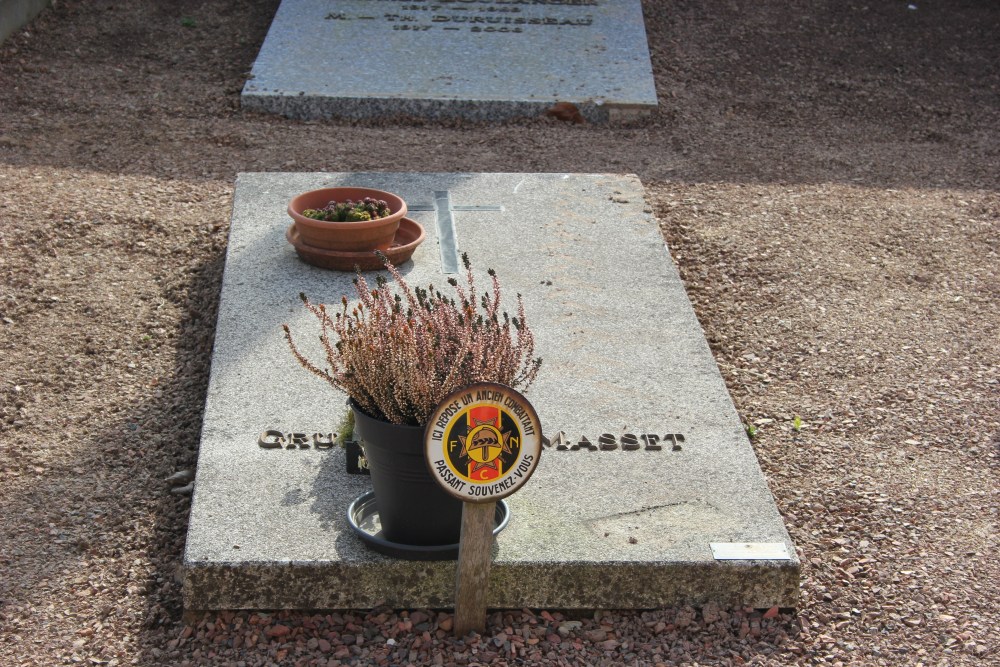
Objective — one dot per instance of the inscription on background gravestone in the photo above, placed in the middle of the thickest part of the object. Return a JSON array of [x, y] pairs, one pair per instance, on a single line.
[[476, 59], [486, 16]]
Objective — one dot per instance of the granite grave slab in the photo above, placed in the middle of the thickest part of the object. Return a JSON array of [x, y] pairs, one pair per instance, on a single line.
[[474, 59], [648, 493]]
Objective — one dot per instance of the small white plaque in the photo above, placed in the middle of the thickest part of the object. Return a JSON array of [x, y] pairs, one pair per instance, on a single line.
[[750, 551]]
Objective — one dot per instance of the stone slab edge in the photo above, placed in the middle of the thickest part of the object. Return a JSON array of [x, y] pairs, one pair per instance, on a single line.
[[319, 107], [415, 584]]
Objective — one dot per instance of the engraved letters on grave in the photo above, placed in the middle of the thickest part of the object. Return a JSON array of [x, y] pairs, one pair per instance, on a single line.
[[274, 438]]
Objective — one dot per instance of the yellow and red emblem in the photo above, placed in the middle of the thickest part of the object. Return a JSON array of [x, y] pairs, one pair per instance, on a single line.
[[483, 442]]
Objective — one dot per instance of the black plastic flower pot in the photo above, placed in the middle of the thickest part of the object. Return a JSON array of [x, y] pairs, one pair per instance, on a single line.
[[412, 507]]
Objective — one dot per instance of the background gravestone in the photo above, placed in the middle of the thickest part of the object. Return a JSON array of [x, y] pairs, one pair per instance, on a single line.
[[475, 59], [16, 13]]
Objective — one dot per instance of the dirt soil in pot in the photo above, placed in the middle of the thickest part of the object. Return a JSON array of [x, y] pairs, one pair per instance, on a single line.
[[827, 179]]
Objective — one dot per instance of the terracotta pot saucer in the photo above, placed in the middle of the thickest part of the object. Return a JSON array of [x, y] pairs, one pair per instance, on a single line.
[[409, 235]]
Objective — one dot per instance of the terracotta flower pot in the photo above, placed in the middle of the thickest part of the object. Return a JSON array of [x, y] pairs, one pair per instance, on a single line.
[[346, 236]]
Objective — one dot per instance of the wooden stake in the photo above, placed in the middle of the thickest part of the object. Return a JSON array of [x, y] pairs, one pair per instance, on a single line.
[[472, 581]]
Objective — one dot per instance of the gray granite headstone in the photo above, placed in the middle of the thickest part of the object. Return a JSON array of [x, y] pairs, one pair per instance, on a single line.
[[475, 59], [623, 521]]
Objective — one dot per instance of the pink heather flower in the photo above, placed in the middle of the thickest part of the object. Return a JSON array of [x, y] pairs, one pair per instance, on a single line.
[[398, 352]]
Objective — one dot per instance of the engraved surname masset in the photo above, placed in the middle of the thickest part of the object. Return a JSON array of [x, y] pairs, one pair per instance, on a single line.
[[628, 442]]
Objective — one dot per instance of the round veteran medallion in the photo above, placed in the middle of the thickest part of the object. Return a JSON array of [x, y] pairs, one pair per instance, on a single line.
[[483, 442]]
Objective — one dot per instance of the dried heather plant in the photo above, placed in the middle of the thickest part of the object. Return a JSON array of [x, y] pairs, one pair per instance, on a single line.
[[398, 353]]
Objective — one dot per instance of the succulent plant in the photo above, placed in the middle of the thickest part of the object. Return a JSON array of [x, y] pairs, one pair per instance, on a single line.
[[350, 211]]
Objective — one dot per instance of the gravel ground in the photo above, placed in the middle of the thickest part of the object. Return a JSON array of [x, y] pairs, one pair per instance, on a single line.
[[827, 178]]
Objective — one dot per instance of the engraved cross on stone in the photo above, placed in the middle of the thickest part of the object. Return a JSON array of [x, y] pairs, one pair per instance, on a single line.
[[447, 235]]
